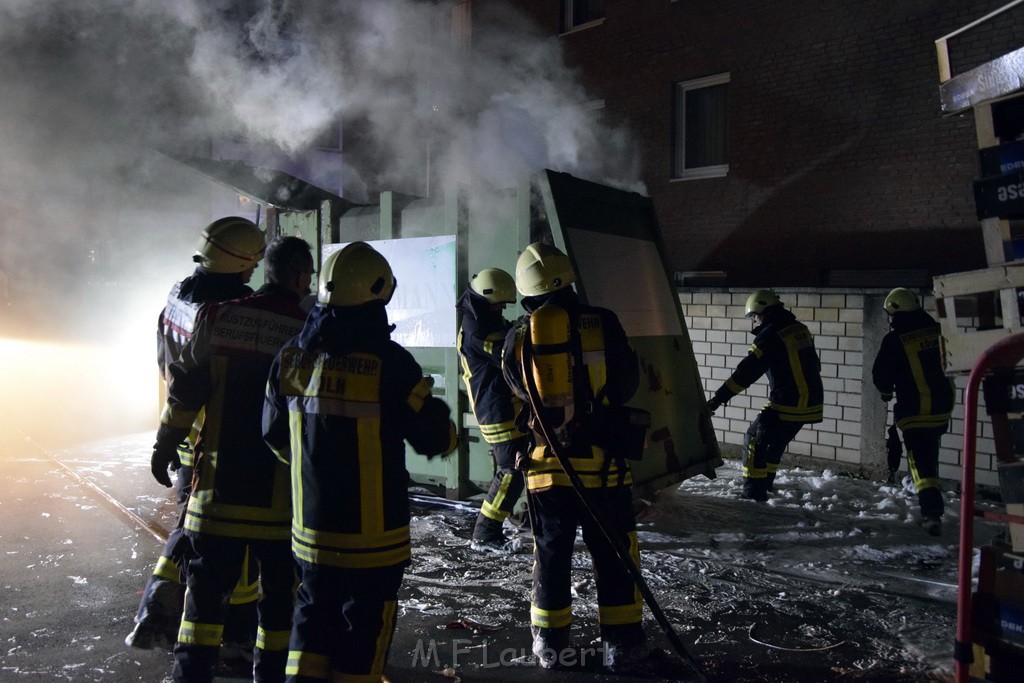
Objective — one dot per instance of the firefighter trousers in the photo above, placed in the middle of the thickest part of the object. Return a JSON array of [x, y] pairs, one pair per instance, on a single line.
[[763, 445], [504, 492], [923, 461], [211, 574], [556, 513], [344, 623]]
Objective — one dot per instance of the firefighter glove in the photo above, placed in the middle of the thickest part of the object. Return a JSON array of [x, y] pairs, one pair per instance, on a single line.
[[886, 396], [713, 404], [165, 453]]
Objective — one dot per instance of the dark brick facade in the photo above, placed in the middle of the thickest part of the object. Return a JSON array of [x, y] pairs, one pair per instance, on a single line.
[[838, 156]]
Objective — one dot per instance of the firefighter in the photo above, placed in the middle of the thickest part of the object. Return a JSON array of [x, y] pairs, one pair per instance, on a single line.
[[587, 366], [909, 366], [784, 349], [226, 257], [480, 341], [240, 498], [341, 399]]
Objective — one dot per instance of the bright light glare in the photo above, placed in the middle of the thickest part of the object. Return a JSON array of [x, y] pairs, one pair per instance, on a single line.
[[58, 394]]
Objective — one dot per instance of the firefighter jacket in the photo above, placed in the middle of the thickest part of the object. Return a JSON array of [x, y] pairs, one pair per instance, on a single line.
[[342, 397], [241, 489], [178, 321], [178, 318], [480, 342], [784, 349], [605, 373], [909, 363]]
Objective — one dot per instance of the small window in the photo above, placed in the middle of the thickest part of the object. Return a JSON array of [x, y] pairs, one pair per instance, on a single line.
[[701, 128], [575, 13]]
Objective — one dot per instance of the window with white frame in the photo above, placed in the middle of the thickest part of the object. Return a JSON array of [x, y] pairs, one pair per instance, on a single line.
[[578, 12], [701, 128]]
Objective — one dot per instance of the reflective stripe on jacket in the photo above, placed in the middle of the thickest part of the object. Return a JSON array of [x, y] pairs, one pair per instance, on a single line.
[[241, 488], [479, 344], [783, 349], [341, 399], [607, 365], [909, 364]]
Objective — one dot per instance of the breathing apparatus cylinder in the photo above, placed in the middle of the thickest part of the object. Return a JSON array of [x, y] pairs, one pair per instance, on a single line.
[[550, 339]]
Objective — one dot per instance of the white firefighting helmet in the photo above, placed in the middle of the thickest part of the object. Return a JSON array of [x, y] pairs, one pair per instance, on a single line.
[[230, 245], [495, 285], [541, 269], [760, 300], [354, 275], [901, 300]]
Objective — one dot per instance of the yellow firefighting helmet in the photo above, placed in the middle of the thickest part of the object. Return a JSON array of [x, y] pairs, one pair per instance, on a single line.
[[760, 300], [901, 300], [354, 275], [541, 269], [495, 285], [230, 245]]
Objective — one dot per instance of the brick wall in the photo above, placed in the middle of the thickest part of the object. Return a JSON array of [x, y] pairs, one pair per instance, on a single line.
[[848, 326]]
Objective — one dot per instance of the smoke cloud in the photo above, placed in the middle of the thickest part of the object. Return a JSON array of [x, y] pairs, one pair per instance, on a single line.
[[96, 96]]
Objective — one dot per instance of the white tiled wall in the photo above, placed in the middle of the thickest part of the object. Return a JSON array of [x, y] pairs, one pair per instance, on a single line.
[[721, 338]]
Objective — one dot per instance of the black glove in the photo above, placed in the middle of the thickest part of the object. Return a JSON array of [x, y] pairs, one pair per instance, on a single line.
[[886, 396], [165, 453], [713, 404]]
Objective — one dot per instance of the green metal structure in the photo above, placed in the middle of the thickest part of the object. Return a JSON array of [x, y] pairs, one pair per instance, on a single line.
[[436, 244]]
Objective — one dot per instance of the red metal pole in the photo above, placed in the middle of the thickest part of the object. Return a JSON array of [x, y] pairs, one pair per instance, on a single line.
[[1004, 353]]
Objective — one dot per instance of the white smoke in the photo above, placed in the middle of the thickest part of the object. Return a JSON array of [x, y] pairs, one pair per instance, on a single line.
[[91, 87]]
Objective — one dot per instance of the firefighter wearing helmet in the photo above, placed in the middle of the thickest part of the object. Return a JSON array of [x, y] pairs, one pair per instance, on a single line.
[[576, 361], [783, 349], [226, 255], [240, 502], [479, 343], [909, 367], [342, 400]]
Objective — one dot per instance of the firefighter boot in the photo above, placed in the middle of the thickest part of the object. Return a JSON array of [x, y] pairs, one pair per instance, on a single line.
[[487, 536], [755, 489], [550, 646], [156, 624]]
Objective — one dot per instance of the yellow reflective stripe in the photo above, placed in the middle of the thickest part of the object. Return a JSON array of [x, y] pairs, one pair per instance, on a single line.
[[314, 405], [296, 438], [734, 386], [355, 541], [619, 615], [191, 633], [167, 569], [244, 594], [756, 351], [773, 467], [790, 336], [418, 395], [371, 477], [308, 664], [229, 529], [798, 414], [923, 421], [492, 510], [384, 638], [272, 640], [365, 560], [556, 618], [749, 471], [178, 417], [538, 481], [500, 432]]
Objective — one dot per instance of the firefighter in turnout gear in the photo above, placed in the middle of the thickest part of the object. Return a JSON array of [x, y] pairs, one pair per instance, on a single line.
[[480, 342], [342, 398], [240, 498], [226, 256], [784, 349], [909, 366], [583, 364]]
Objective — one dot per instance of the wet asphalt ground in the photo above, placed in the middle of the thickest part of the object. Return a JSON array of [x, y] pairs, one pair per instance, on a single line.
[[752, 599]]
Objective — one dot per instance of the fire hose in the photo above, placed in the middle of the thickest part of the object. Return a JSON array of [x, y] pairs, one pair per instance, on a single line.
[[623, 553]]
